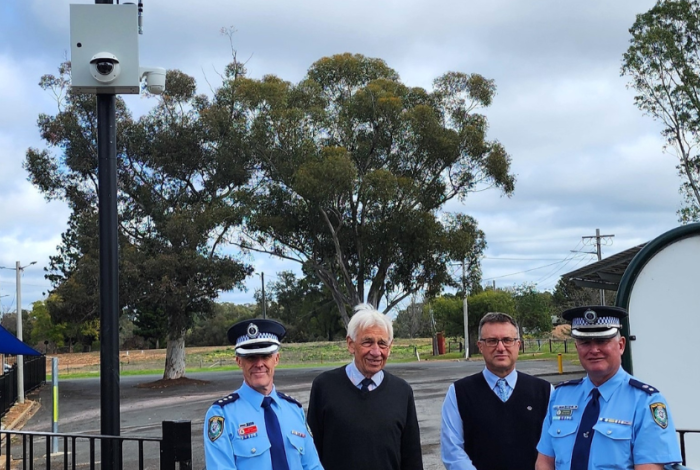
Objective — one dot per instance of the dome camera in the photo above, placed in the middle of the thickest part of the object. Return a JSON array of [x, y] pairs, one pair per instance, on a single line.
[[104, 67], [155, 79]]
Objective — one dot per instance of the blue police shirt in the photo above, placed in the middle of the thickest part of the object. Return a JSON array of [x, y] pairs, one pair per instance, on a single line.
[[235, 437], [634, 425]]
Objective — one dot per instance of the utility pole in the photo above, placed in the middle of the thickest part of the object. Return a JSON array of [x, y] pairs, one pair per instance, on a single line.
[[264, 303], [20, 358], [598, 252], [465, 308]]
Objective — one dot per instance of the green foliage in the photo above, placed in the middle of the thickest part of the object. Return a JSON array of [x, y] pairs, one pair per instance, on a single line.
[[305, 307], [354, 167], [491, 300], [533, 309], [180, 169], [212, 330], [44, 328], [663, 63], [449, 315], [413, 322]]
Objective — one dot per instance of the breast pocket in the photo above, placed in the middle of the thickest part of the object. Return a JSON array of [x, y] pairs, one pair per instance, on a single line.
[[563, 436], [614, 442], [298, 443], [251, 454]]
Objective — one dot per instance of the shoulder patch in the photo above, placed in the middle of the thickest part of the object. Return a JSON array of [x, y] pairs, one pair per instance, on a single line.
[[568, 382], [644, 387], [215, 428], [226, 400], [289, 399]]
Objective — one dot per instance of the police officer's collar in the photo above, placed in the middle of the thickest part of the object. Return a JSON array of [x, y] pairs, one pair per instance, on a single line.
[[608, 388], [254, 397]]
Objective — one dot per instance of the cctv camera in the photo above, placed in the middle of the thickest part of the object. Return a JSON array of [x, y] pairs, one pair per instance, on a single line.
[[104, 67], [155, 79]]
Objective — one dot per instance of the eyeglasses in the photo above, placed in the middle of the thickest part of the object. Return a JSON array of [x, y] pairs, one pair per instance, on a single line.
[[493, 342]]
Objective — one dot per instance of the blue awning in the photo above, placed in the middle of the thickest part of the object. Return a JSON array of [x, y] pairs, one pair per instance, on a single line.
[[9, 344]]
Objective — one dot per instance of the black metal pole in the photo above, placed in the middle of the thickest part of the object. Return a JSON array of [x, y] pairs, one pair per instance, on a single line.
[[109, 278]]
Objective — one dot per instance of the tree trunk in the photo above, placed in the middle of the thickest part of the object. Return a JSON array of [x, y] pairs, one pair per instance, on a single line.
[[175, 357]]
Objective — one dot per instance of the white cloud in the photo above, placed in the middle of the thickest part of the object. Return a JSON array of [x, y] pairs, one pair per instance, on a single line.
[[585, 157]]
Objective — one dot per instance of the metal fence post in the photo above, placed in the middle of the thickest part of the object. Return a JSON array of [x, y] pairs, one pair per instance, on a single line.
[[54, 384], [176, 446]]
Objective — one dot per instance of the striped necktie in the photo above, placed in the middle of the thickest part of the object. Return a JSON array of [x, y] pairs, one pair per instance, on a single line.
[[365, 384]]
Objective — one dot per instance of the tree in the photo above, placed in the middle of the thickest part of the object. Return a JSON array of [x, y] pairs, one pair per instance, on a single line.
[[663, 63], [212, 330], [180, 171], [567, 295], [533, 309], [355, 168], [490, 300], [44, 329], [306, 307], [413, 322], [448, 315]]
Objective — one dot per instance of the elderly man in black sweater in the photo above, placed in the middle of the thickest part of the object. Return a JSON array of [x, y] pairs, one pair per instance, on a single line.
[[361, 416]]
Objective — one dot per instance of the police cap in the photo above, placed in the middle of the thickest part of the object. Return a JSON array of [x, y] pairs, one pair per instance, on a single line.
[[256, 336], [596, 321]]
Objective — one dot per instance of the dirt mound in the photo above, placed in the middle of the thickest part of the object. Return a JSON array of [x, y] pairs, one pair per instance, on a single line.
[[562, 332], [163, 383]]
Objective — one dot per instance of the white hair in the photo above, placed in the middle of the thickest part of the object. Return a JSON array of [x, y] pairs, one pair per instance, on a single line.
[[366, 316]]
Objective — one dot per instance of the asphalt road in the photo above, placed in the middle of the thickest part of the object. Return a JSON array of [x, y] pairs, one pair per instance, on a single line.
[[143, 409]]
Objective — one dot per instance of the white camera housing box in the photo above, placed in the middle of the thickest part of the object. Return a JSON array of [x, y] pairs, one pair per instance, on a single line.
[[100, 35]]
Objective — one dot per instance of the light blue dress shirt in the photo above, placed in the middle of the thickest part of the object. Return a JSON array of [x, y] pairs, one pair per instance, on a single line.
[[452, 430], [634, 425], [356, 376], [235, 437]]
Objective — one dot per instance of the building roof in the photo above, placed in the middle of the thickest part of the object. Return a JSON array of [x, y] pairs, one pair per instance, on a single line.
[[606, 273]]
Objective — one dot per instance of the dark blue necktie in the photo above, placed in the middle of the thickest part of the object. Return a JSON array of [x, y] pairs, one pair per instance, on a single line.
[[582, 446], [274, 434], [365, 384]]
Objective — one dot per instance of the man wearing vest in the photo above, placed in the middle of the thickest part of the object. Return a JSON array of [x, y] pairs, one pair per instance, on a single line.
[[492, 420]]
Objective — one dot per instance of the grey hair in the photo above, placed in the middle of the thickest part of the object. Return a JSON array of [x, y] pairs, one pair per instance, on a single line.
[[498, 317], [366, 316]]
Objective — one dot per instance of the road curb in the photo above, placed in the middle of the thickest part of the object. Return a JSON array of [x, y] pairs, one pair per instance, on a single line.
[[21, 420], [568, 372]]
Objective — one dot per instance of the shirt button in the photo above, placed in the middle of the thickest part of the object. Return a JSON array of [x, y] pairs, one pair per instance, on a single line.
[[252, 450], [609, 432], [558, 431]]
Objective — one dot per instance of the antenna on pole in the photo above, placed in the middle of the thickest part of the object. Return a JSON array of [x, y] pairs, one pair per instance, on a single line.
[[140, 16]]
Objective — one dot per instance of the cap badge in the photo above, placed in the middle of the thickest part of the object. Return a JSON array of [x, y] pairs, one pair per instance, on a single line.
[[253, 330], [590, 316]]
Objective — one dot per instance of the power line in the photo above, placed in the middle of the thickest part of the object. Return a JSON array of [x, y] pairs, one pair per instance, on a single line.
[[524, 259]]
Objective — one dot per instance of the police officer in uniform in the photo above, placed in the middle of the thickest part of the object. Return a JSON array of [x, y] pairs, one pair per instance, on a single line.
[[608, 419], [257, 427]]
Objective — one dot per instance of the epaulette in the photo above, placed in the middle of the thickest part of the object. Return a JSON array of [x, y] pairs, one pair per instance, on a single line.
[[642, 386], [226, 400], [568, 382], [289, 399]]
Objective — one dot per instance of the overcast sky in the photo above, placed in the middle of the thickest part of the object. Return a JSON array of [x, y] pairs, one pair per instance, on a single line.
[[584, 156]]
